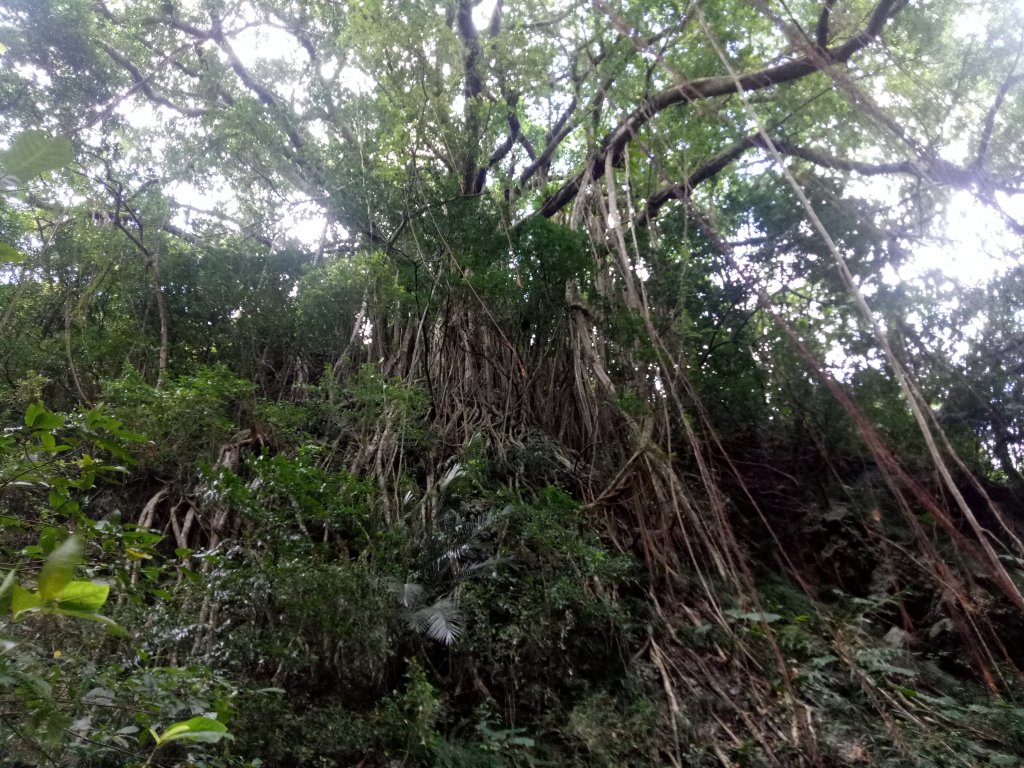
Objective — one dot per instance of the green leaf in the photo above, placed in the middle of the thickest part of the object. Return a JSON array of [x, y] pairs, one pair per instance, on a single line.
[[50, 538], [10, 255], [22, 600], [33, 153], [83, 596], [37, 417], [33, 412], [202, 729], [49, 420], [59, 568], [48, 440], [996, 758]]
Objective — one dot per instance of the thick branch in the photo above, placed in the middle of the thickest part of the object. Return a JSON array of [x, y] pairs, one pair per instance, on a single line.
[[506, 146], [555, 137], [263, 93], [936, 170], [683, 191], [821, 31], [699, 89], [472, 87]]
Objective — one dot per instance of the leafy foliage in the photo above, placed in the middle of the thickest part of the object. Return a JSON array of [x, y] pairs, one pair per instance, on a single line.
[[507, 385]]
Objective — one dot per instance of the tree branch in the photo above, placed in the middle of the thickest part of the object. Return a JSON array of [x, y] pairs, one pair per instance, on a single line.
[[142, 82], [821, 30], [683, 191], [472, 88], [1011, 81], [936, 170], [555, 137], [703, 88]]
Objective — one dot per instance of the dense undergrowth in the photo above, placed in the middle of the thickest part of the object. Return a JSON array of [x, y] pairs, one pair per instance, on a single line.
[[464, 603], [611, 416]]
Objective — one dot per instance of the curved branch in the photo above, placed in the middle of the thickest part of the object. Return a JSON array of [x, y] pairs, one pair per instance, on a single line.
[[937, 170], [683, 190], [699, 89]]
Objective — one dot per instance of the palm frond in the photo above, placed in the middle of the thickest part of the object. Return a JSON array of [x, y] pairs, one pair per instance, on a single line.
[[442, 620], [409, 594]]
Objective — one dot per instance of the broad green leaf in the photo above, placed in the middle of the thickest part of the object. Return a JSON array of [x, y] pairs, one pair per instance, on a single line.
[[996, 758], [32, 413], [61, 502], [49, 441], [113, 449], [83, 596], [202, 729], [37, 417], [33, 153], [22, 600], [49, 420], [10, 255], [59, 568], [50, 538], [99, 696]]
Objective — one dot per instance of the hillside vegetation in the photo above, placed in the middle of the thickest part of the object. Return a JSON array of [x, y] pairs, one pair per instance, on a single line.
[[470, 384]]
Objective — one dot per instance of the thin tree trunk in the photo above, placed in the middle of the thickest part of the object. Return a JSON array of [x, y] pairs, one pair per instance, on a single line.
[[161, 306], [71, 360]]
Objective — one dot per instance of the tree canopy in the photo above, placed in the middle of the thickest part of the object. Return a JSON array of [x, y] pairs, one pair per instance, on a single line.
[[477, 383]]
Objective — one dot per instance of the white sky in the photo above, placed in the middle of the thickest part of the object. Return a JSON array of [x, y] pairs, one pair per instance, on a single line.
[[976, 243]]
